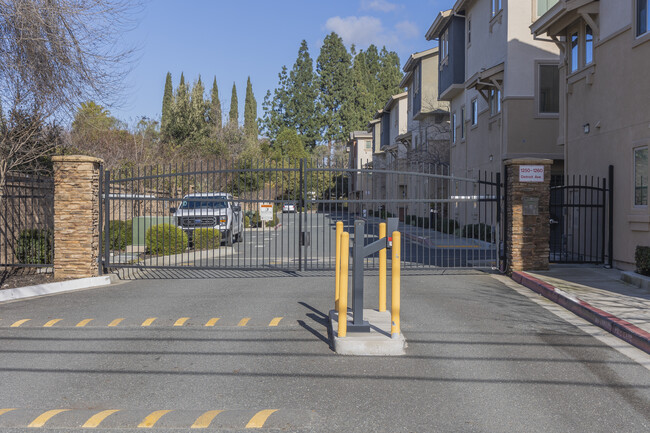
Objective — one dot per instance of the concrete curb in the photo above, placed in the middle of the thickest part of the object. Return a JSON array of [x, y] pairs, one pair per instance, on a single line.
[[610, 323], [58, 287], [638, 280]]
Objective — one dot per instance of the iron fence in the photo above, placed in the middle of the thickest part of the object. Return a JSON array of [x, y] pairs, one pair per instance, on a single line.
[[27, 222]]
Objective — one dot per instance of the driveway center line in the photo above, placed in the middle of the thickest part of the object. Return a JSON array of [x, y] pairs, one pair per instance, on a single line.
[[83, 323], [43, 418], [204, 420], [115, 322], [260, 418], [275, 321], [96, 419], [152, 418], [51, 323], [19, 322], [212, 321], [149, 321], [243, 321], [181, 321]]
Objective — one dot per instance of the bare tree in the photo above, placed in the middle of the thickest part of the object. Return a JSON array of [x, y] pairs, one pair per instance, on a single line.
[[55, 54]]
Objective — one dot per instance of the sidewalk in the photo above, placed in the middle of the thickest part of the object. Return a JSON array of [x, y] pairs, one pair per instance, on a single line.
[[598, 295]]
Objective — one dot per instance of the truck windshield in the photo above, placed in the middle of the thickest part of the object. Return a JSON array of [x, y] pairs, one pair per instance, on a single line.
[[204, 204]]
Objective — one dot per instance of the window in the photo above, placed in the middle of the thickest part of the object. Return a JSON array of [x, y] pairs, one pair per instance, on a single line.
[[589, 45], [574, 52], [642, 17], [453, 128], [544, 5], [641, 177], [462, 122], [474, 111], [469, 31], [368, 144], [496, 7], [582, 47], [495, 101], [444, 45], [549, 89]]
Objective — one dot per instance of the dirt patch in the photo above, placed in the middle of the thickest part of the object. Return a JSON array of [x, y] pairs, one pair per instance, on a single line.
[[10, 279]]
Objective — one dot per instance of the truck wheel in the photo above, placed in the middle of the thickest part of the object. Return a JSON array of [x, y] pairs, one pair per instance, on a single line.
[[229, 238]]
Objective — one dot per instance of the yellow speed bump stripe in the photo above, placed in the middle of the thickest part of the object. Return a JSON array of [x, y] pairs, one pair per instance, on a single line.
[[115, 322], [260, 418], [83, 323], [97, 419], [3, 411], [51, 323], [243, 321], [152, 418], [42, 419], [18, 323], [181, 321], [275, 321], [212, 321], [149, 321], [204, 420]]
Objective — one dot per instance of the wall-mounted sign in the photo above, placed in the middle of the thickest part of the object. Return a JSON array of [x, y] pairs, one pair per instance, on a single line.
[[530, 206], [531, 173], [266, 211]]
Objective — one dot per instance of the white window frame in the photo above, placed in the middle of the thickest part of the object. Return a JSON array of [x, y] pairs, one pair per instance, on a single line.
[[538, 81], [638, 31], [444, 45], [581, 60], [474, 112], [497, 6], [454, 125], [634, 153], [536, 8], [469, 31], [462, 123], [495, 101]]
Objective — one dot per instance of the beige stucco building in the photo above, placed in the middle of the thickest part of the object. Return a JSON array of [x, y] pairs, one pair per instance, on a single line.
[[604, 109], [501, 84]]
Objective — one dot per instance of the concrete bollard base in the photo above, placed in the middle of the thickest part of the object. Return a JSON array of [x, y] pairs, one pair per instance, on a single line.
[[377, 342]]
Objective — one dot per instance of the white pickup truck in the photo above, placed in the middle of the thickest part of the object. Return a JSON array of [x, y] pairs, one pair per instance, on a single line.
[[211, 210]]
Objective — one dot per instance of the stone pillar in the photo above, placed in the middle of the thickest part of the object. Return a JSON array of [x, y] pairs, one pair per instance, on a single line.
[[528, 230], [76, 216]]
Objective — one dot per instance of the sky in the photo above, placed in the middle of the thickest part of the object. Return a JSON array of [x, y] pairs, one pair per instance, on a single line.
[[232, 40]]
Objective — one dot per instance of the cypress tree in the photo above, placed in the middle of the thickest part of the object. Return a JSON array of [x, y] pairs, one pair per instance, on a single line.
[[250, 112], [301, 104], [179, 124], [198, 112], [215, 107], [168, 102], [333, 69], [275, 108], [358, 107], [234, 111], [389, 75]]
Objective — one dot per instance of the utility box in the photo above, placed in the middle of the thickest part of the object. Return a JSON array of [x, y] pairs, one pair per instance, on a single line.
[[142, 224]]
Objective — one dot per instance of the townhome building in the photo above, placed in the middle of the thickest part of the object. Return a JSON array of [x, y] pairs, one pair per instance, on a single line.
[[386, 126], [359, 147], [604, 114], [427, 135], [501, 84]]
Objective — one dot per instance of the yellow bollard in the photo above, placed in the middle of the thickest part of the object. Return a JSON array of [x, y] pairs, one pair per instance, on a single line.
[[395, 289], [339, 231], [382, 270], [343, 285]]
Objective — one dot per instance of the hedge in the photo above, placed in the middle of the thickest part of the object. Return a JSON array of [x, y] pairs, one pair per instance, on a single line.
[[121, 234], [642, 260], [479, 231], [206, 238], [165, 239], [35, 247]]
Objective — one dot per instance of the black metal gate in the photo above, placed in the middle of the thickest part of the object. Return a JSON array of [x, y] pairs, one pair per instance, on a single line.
[[581, 219], [182, 217]]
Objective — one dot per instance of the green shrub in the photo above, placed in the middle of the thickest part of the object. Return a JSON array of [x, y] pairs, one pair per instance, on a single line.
[[407, 219], [443, 225], [274, 222], [642, 260], [479, 231], [121, 234], [165, 239], [35, 247], [206, 238], [423, 222], [247, 222], [256, 220]]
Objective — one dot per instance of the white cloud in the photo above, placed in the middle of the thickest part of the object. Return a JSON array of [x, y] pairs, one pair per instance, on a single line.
[[407, 29], [378, 5], [365, 30]]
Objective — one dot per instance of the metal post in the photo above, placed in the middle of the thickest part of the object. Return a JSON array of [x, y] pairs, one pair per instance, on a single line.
[[343, 300], [107, 216], [610, 260], [100, 260], [339, 232], [358, 324], [382, 270], [395, 287], [300, 216], [498, 225]]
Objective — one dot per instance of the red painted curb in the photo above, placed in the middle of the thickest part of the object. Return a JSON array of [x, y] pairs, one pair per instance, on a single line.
[[610, 323]]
